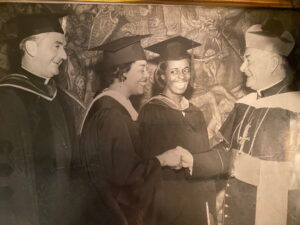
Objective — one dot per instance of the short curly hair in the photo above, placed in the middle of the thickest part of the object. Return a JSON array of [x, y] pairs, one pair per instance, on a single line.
[[116, 72]]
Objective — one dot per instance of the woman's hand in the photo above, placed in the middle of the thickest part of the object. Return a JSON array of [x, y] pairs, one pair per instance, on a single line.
[[176, 158], [171, 158], [187, 160]]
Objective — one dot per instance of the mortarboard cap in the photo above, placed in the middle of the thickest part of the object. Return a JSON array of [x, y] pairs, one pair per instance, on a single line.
[[123, 50], [174, 48], [270, 36], [23, 26]]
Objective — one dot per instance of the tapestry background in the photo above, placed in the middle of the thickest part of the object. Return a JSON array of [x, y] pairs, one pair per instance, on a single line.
[[217, 80]]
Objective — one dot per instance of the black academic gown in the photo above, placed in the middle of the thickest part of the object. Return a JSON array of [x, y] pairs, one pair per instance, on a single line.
[[267, 138], [177, 200], [122, 180], [35, 152]]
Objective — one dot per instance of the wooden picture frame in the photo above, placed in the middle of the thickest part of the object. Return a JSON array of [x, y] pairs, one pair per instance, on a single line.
[[219, 25]]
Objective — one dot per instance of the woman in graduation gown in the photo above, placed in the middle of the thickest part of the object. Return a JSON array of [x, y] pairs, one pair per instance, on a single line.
[[169, 120], [110, 139]]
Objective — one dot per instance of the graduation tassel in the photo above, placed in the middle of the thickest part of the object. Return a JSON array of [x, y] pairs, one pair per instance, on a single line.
[[193, 73], [207, 213]]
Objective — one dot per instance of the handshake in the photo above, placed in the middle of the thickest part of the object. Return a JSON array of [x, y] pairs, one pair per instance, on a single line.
[[177, 158]]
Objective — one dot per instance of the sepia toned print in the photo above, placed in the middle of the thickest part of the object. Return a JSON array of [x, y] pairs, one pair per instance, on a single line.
[[150, 114]]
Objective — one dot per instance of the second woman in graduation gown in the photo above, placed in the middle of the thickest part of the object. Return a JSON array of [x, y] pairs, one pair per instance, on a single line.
[[169, 120]]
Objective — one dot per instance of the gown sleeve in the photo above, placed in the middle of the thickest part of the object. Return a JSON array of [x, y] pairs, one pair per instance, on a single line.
[[149, 128], [212, 163], [217, 161], [16, 161]]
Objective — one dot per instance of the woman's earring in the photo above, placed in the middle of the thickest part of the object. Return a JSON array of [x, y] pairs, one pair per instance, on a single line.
[[122, 78], [121, 83]]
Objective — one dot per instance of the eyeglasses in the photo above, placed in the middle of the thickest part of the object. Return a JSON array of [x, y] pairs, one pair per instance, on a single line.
[[184, 71]]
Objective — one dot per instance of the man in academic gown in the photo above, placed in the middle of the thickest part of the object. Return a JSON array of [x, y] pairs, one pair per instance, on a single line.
[[36, 130], [260, 147]]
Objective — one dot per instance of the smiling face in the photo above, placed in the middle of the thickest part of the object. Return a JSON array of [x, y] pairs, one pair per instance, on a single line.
[[49, 53], [136, 78], [177, 77], [257, 67]]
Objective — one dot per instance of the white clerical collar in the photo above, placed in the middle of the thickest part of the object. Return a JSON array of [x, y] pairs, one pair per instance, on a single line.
[[46, 81], [265, 88]]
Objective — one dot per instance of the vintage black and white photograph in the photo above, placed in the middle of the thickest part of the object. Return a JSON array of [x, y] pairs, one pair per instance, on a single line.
[[149, 114]]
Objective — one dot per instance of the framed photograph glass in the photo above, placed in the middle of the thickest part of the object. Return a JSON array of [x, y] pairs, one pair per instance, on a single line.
[[150, 112]]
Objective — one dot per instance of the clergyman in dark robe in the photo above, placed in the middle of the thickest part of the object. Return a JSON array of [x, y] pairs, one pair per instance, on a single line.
[[36, 132]]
